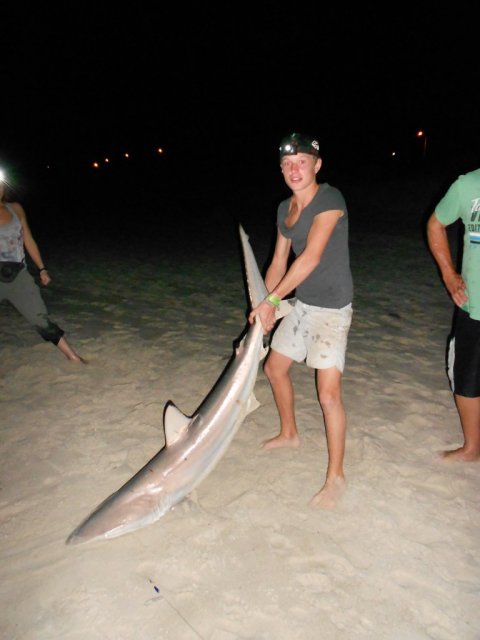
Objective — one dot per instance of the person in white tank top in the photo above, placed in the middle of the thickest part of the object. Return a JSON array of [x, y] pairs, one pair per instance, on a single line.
[[22, 292]]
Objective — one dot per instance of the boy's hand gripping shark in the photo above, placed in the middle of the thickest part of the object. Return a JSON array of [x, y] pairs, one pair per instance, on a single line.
[[194, 445]]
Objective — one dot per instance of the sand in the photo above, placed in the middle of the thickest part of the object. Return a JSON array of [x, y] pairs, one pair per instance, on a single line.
[[244, 557]]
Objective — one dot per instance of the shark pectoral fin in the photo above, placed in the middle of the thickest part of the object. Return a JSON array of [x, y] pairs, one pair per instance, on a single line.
[[252, 403], [175, 423]]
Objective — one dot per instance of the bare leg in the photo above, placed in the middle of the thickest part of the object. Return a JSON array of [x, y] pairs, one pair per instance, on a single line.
[[277, 371], [329, 386], [68, 352], [469, 412]]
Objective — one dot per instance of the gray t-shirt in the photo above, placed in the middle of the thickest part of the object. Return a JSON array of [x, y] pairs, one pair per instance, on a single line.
[[330, 283]]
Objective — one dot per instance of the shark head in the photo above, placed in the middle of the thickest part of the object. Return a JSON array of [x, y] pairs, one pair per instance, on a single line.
[[121, 513]]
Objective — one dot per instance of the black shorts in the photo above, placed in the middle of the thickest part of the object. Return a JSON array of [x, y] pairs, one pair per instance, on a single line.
[[464, 356]]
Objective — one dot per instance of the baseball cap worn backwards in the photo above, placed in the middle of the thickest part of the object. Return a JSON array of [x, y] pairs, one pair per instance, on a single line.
[[299, 143]]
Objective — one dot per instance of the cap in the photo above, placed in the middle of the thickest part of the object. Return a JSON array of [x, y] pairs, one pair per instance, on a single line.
[[299, 143]]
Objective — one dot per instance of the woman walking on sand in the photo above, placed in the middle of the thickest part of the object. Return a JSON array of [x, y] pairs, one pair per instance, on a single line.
[[16, 284]]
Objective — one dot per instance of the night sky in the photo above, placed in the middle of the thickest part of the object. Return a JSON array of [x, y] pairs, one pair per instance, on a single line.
[[217, 90]]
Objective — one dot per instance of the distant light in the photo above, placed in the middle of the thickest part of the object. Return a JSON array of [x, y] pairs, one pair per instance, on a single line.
[[422, 134], [126, 155], [2, 176], [107, 160], [160, 150], [48, 166], [95, 165], [394, 153]]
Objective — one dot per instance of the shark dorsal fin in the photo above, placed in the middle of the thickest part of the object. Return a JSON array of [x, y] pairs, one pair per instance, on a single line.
[[175, 423]]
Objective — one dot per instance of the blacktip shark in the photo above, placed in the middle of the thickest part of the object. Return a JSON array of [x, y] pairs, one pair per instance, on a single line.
[[193, 445]]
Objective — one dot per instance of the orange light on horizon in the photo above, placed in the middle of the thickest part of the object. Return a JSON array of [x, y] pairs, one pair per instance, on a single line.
[[422, 134], [126, 155], [160, 150], [95, 165]]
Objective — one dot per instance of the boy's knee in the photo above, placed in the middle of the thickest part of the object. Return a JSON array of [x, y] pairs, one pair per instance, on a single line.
[[329, 398], [273, 373], [269, 370]]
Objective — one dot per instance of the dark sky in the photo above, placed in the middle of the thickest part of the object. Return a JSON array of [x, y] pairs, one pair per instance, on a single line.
[[82, 80]]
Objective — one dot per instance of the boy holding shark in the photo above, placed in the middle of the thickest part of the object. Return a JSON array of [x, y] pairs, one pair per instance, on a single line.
[[313, 223]]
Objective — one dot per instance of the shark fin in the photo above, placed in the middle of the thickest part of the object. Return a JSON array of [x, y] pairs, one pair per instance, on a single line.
[[252, 403], [175, 423], [256, 285]]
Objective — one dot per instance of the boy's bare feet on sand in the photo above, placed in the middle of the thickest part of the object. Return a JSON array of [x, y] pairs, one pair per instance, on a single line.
[[329, 494], [281, 442], [458, 455]]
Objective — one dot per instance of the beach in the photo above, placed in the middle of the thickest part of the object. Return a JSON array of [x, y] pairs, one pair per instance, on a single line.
[[243, 557]]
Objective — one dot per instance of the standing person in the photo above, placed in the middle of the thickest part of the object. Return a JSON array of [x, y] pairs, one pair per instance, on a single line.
[[16, 284], [313, 223], [462, 201]]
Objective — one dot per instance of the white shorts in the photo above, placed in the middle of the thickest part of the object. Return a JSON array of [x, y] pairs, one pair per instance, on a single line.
[[316, 334]]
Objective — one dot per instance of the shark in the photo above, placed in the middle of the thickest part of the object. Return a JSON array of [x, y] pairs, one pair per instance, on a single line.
[[193, 444]]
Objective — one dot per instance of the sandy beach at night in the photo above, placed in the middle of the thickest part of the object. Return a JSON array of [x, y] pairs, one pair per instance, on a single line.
[[244, 557]]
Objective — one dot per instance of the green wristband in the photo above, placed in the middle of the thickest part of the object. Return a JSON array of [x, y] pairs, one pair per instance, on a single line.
[[272, 298]]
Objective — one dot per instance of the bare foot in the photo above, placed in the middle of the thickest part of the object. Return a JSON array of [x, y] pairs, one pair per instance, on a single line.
[[329, 494], [457, 455], [281, 442], [74, 357], [68, 352]]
